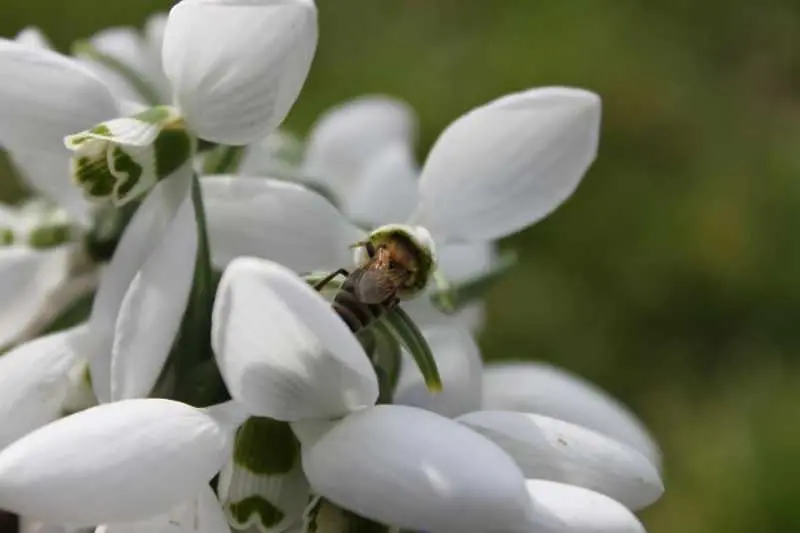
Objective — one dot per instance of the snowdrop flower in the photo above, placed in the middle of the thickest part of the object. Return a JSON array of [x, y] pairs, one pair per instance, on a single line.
[[135, 316], [286, 355], [361, 152], [492, 172], [38, 254], [549, 391], [129, 61], [147, 460], [234, 70]]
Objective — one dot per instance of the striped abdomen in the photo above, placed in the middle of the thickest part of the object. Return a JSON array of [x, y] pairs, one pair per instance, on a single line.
[[355, 313]]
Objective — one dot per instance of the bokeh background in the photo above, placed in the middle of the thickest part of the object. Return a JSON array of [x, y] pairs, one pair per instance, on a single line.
[[672, 277]]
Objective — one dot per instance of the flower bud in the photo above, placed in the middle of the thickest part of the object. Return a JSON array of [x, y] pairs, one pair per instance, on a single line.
[[122, 159]]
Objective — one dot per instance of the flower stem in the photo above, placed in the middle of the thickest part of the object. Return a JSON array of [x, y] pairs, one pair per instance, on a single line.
[[197, 380]]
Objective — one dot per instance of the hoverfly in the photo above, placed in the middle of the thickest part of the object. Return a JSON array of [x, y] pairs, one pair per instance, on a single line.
[[395, 265]]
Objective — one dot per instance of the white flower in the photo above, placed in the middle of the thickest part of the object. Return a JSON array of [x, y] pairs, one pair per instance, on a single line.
[[138, 53], [236, 67], [549, 391], [345, 153], [235, 70], [37, 256], [458, 359], [117, 462], [135, 315], [285, 354], [492, 172]]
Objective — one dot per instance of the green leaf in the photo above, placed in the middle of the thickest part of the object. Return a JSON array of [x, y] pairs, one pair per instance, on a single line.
[[191, 375], [408, 334], [385, 355], [452, 298]]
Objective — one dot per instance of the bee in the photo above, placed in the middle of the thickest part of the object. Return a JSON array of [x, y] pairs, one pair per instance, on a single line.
[[395, 265]]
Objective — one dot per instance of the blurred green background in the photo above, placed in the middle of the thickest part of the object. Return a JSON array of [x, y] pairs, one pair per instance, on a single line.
[[672, 277]]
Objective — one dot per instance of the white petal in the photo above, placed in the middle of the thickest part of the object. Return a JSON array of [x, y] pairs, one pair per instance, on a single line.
[[543, 389], [48, 173], [280, 221], [28, 278], [128, 47], [201, 514], [386, 189], [417, 470], [152, 309], [46, 96], [546, 448], [459, 361], [32, 526], [277, 155], [424, 313], [33, 37], [154, 28], [462, 262], [458, 263], [138, 241], [347, 137], [121, 461], [237, 66], [505, 165], [282, 350], [34, 381], [560, 508]]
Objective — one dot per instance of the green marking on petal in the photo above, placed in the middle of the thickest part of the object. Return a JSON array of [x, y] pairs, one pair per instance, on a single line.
[[268, 514], [101, 129], [154, 115], [125, 167], [6, 236], [94, 176], [50, 235], [173, 148], [266, 446]]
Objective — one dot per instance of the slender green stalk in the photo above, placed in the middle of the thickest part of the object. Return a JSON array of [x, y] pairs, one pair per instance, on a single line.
[[197, 380]]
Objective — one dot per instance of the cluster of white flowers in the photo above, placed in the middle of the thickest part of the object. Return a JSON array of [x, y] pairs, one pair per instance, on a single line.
[[211, 387]]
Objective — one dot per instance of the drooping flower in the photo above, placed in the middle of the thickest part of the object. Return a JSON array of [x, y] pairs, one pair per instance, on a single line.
[[494, 171], [135, 315], [143, 293], [123, 461], [549, 391], [284, 354], [235, 70]]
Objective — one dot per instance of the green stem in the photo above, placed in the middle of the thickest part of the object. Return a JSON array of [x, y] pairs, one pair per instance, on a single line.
[[197, 380], [223, 160]]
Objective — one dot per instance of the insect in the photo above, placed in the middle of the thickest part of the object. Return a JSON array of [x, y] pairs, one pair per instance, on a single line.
[[395, 265]]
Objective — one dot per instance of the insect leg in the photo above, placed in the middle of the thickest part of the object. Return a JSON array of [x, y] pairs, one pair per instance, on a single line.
[[327, 279], [369, 247]]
